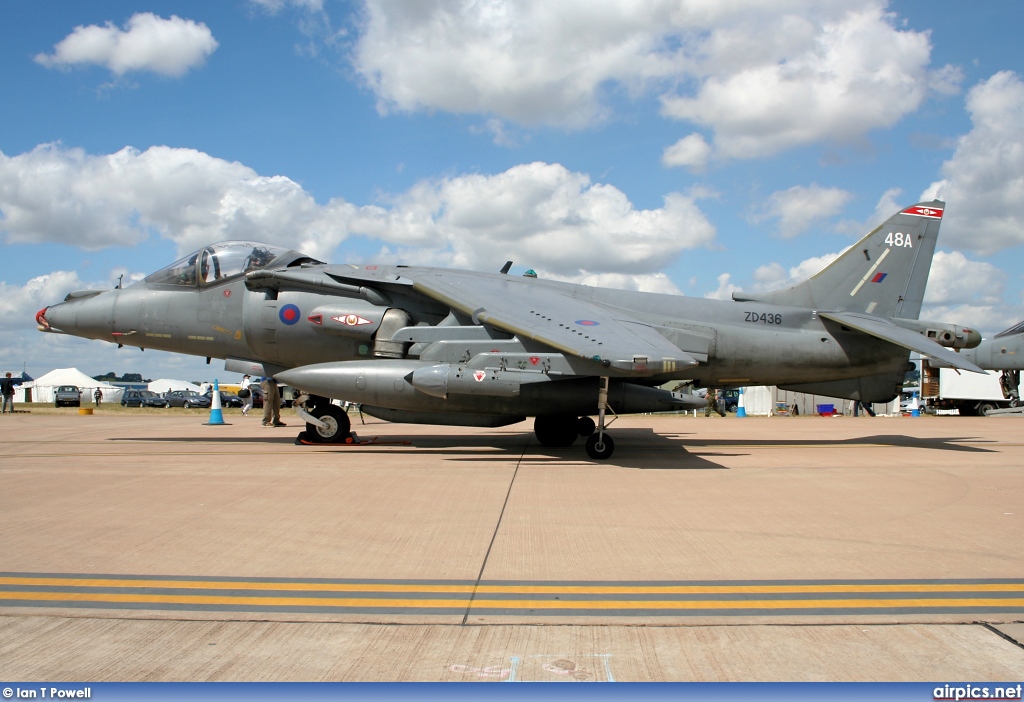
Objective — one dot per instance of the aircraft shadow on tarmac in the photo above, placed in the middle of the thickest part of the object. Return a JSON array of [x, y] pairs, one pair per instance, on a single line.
[[636, 447]]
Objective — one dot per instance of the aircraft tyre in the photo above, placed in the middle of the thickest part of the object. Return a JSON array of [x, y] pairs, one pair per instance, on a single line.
[[556, 430], [586, 426], [600, 447], [338, 425], [984, 408]]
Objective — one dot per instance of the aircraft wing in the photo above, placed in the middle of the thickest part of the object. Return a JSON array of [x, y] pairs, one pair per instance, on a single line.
[[1015, 329], [556, 319], [908, 339]]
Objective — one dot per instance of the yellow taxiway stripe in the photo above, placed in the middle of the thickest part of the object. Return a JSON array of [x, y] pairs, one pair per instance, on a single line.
[[365, 603], [511, 589]]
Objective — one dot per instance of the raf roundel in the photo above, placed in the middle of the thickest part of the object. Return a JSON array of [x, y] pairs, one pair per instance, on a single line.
[[587, 322], [289, 314]]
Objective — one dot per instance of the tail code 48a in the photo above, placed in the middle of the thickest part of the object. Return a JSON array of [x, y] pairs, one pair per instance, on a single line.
[[899, 239]]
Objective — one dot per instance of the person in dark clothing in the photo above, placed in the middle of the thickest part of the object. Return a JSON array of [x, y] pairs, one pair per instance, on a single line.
[[7, 389]]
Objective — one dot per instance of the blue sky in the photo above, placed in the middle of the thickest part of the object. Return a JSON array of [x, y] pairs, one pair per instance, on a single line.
[[688, 146]]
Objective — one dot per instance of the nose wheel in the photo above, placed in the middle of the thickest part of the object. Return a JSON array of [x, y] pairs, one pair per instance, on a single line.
[[332, 424], [600, 446]]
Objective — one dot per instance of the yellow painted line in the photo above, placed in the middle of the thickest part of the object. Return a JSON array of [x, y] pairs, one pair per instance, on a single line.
[[361, 603], [514, 589]]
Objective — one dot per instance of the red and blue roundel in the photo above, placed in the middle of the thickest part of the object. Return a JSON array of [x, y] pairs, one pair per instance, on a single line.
[[289, 314], [587, 322]]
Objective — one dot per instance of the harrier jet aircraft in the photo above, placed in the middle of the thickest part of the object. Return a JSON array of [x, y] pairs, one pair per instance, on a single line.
[[439, 346], [1004, 352]]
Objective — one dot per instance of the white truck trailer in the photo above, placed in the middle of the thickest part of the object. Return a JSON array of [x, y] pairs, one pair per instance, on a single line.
[[970, 393]]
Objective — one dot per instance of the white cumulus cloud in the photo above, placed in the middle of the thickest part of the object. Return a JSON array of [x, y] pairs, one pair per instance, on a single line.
[[19, 304], [170, 47], [725, 288], [762, 77], [275, 6], [956, 280], [886, 207], [539, 214], [691, 151], [773, 276], [68, 196], [528, 61], [800, 207], [545, 216], [791, 78], [983, 182]]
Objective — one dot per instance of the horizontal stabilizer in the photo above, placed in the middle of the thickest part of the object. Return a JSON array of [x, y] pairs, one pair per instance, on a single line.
[[887, 331]]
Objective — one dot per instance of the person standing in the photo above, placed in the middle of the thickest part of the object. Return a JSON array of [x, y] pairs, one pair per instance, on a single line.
[[271, 404], [7, 389], [245, 392], [97, 396]]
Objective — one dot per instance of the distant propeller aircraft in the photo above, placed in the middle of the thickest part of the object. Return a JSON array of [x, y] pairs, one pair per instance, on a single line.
[[467, 348]]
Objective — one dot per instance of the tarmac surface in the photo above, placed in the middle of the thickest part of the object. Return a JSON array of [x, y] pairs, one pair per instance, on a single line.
[[146, 546]]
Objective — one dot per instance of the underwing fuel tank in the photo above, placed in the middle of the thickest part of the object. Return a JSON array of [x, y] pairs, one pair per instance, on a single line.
[[423, 386], [442, 379]]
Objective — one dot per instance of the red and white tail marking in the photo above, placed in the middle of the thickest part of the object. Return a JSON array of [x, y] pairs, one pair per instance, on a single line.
[[917, 211]]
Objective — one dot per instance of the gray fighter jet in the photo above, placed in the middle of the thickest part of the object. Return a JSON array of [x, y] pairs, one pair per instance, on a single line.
[[1003, 352], [439, 346]]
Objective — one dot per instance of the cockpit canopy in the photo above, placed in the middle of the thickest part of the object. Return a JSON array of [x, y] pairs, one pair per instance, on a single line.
[[221, 261]]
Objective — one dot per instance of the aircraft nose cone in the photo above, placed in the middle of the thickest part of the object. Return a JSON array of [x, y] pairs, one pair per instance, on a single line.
[[90, 317], [59, 317]]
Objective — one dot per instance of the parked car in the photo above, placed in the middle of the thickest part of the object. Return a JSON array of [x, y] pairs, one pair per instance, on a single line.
[[731, 398], [142, 398], [257, 396], [67, 395], [186, 399], [227, 399]]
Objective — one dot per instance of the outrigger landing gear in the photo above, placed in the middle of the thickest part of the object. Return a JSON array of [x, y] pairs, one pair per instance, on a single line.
[[600, 446]]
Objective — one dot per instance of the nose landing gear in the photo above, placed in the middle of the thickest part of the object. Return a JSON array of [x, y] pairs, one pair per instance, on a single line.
[[600, 446], [330, 423]]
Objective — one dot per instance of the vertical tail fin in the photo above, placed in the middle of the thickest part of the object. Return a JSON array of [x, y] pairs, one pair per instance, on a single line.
[[884, 274]]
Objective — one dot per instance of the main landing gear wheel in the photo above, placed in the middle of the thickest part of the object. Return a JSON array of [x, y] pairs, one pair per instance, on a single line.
[[600, 447], [556, 430], [338, 425]]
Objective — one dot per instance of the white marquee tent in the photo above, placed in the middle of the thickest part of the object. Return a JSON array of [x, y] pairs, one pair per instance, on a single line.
[[166, 385], [44, 386]]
